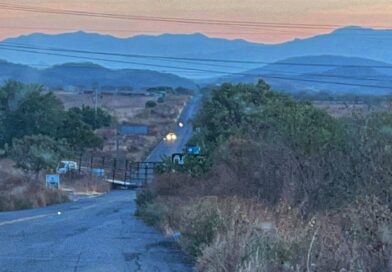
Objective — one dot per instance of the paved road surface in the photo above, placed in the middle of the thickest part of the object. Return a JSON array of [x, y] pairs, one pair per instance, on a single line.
[[96, 234], [183, 134]]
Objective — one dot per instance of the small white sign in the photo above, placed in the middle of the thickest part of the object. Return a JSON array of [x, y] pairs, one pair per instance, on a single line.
[[53, 181], [178, 158]]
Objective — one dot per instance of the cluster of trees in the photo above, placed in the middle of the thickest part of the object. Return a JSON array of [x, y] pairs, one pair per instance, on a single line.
[[36, 131], [262, 148], [170, 90], [330, 160]]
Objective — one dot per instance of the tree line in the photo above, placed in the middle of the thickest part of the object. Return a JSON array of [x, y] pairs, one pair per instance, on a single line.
[[37, 131]]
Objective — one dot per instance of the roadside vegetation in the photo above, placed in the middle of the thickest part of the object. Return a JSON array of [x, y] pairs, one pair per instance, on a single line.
[[36, 133], [156, 108], [282, 186], [161, 117]]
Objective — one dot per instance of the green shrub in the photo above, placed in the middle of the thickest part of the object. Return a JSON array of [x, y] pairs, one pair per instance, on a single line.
[[202, 222], [151, 104], [144, 197], [152, 213]]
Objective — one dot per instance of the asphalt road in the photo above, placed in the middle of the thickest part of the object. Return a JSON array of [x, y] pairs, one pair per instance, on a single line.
[[183, 134], [96, 234]]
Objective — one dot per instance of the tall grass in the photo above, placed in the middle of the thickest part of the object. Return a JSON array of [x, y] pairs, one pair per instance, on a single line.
[[17, 194]]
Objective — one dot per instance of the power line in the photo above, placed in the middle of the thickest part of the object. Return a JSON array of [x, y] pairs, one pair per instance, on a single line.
[[270, 31], [6, 45], [362, 78], [205, 70], [172, 19], [359, 77], [16, 45]]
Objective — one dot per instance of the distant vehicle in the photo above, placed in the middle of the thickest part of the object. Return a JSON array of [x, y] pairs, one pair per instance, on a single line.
[[66, 166], [170, 137]]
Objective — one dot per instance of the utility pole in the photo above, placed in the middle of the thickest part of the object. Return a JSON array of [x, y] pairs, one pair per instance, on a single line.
[[95, 89], [96, 102], [117, 141], [117, 130]]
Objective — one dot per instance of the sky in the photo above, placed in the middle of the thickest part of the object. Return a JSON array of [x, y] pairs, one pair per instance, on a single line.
[[368, 13]]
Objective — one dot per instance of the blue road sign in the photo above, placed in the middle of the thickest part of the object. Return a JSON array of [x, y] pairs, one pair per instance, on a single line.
[[193, 150], [53, 181], [98, 172]]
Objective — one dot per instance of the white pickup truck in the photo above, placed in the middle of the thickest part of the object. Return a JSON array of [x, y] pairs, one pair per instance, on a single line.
[[65, 167]]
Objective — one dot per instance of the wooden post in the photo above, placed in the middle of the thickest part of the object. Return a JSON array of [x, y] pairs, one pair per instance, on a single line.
[[126, 170], [91, 164], [145, 172], [114, 168], [80, 162]]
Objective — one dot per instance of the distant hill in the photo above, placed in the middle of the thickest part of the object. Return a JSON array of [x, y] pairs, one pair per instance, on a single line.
[[16, 71], [318, 73], [88, 74], [345, 42]]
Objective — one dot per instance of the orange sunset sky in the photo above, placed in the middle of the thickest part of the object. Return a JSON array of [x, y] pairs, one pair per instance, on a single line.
[[373, 13]]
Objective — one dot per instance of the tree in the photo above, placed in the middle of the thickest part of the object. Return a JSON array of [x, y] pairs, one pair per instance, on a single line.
[[231, 110], [150, 104], [95, 119], [26, 111], [78, 134], [38, 152]]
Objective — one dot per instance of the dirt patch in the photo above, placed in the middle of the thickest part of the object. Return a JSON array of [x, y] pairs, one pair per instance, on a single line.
[[348, 109], [85, 184]]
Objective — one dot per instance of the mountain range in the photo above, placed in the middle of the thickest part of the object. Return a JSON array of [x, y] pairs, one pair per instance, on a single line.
[[183, 59], [86, 75], [320, 73]]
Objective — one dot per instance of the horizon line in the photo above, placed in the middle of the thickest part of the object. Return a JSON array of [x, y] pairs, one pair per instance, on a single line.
[[104, 32]]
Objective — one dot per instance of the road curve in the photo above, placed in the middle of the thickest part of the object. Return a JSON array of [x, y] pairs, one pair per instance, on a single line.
[[96, 234]]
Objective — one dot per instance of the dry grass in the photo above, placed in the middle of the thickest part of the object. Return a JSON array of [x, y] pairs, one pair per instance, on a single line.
[[17, 191], [348, 109], [85, 184], [123, 107], [264, 207], [236, 234], [18, 194]]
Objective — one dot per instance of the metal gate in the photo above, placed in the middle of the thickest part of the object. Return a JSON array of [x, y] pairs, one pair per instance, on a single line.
[[121, 172]]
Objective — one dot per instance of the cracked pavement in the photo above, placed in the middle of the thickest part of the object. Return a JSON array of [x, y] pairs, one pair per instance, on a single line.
[[96, 234]]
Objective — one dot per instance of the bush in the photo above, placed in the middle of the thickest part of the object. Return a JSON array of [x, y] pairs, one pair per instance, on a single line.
[[152, 213], [36, 153], [202, 221], [151, 104]]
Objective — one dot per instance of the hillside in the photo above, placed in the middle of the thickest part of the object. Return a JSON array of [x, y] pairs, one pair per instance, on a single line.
[[70, 75], [318, 73], [345, 42]]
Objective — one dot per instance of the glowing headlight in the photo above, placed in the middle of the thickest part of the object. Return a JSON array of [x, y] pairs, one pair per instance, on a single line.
[[171, 137]]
